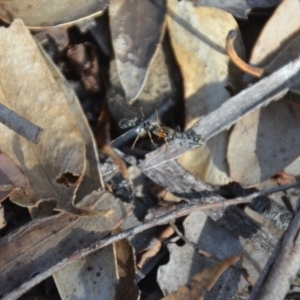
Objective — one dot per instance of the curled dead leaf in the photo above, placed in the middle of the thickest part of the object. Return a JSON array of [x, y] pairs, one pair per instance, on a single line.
[[155, 246], [42, 13], [137, 28], [202, 282]]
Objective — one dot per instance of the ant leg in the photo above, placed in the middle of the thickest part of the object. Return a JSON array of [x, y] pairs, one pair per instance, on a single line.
[[167, 142], [133, 145], [150, 136]]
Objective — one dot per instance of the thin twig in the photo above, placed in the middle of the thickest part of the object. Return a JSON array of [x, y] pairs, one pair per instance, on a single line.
[[20, 125], [243, 271], [181, 211]]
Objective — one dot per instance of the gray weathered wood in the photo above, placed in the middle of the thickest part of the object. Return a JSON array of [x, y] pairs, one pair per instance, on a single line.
[[283, 265], [178, 181]]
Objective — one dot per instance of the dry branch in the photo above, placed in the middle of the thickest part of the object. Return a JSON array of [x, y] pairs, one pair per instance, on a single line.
[[283, 265], [254, 97], [182, 210]]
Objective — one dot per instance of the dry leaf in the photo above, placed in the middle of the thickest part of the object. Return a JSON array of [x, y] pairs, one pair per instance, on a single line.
[[67, 152], [44, 242], [136, 28], [198, 38], [185, 262], [92, 277], [285, 22], [160, 86], [155, 246], [264, 143], [202, 282], [126, 287], [11, 178], [239, 8], [42, 13]]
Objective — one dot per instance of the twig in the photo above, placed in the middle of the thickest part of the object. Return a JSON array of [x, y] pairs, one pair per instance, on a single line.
[[254, 97], [283, 265], [181, 211], [20, 125], [243, 271]]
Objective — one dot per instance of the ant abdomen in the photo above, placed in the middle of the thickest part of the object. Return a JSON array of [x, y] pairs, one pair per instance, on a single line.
[[124, 124], [128, 123]]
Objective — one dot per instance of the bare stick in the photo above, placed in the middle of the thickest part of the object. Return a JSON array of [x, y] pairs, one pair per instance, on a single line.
[[283, 265], [243, 271], [20, 125], [254, 97], [181, 211]]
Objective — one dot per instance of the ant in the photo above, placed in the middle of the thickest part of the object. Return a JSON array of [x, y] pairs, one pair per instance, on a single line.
[[170, 135], [161, 131], [140, 124]]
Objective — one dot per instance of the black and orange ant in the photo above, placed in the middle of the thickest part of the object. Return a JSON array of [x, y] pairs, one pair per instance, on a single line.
[[170, 135], [161, 131], [140, 124]]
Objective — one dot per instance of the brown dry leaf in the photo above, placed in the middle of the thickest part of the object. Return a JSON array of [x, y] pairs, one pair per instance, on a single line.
[[66, 156], [239, 8], [198, 38], [126, 287], [92, 277], [11, 178], [155, 247], [160, 86], [202, 282], [44, 242], [277, 33], [2, 218], [212, 238], [44, 13], [266, 141], [136, 28]]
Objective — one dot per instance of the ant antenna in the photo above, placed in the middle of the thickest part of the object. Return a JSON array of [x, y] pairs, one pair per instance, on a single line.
[[142, 112], [157, 118]]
